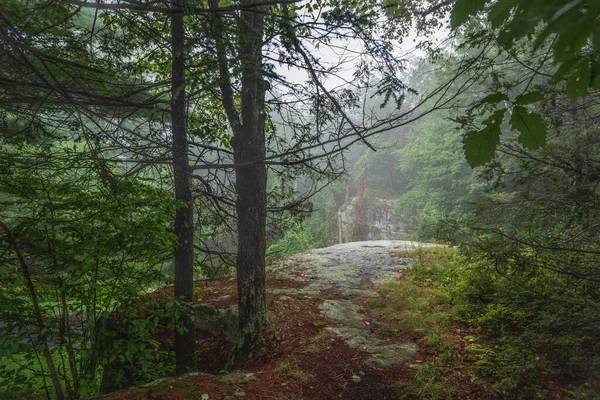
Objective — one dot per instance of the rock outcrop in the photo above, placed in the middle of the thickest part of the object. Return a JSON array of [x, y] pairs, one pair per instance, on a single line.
[[349, 271], [376, 220], [217, 321]]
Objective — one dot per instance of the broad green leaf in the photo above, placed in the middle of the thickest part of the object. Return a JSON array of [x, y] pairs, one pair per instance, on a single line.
[[596, 39], [500, 12], [562, 71], [570, 6], [515, 30], [529, 98], [579, 82], [595, 61], [494, 98], [463, 9], [480, 146], [596, 82], [570, 42], [532, 128]]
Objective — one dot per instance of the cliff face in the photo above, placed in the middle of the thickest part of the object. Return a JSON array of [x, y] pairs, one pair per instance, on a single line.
[[374, 219]]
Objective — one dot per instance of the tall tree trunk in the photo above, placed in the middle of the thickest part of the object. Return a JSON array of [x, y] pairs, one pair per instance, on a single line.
[[340, 228], [248, 145], [359, 215], [251, 178], [184, 227]]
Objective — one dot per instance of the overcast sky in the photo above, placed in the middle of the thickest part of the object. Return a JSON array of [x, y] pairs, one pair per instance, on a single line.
[[346, 53]]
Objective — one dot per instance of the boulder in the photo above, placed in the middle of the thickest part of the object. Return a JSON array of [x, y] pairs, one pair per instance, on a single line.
[[217, 321]]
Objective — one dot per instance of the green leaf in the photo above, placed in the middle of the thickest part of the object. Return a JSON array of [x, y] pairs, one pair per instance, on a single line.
[[595, 78], [569, 44], [515, 30], [531, 126], [596, 82], [463, 9], [529, 98], [480, 146], [562, 71], [500, 12], [494, 98], [579, 82], [570, 6]]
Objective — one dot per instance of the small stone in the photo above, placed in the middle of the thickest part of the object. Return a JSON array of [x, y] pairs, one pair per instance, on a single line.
[[204, 396], [283, 298], [250, 376], [239, 393], [356, 378]]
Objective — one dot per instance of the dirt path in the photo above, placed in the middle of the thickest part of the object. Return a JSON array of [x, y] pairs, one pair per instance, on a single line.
[[349, 271]]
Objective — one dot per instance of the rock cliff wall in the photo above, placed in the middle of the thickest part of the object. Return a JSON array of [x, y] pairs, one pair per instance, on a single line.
[[374, 219]]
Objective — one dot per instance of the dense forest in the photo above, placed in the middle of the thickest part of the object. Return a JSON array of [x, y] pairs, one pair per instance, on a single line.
[[147, 145]]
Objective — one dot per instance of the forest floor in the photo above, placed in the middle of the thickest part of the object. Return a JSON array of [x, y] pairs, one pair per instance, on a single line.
[[325, 340]]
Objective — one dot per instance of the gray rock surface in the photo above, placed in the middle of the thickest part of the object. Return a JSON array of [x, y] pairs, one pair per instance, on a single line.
[[347, 268], [353, 328], [379, 219], [217, 321]]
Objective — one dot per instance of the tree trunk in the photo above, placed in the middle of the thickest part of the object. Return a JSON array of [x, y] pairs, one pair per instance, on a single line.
[[340, 228], [251, 179], [184, 227], [248, 145], [359, 215]]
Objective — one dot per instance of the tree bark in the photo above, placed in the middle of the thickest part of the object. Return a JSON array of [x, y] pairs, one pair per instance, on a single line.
[[184, 226], [248, 143], [340, 228], [251, 178]]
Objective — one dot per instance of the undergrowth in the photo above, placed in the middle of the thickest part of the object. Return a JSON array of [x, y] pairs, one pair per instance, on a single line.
[[458, 312]]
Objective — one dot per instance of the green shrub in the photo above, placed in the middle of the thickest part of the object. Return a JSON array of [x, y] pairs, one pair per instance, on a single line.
[[131, 342], [543, 321], [539, 324], [295, 240]]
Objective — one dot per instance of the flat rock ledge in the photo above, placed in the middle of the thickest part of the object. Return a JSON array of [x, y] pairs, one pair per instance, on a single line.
[[352, 327], [349, 271], [347, 268]]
